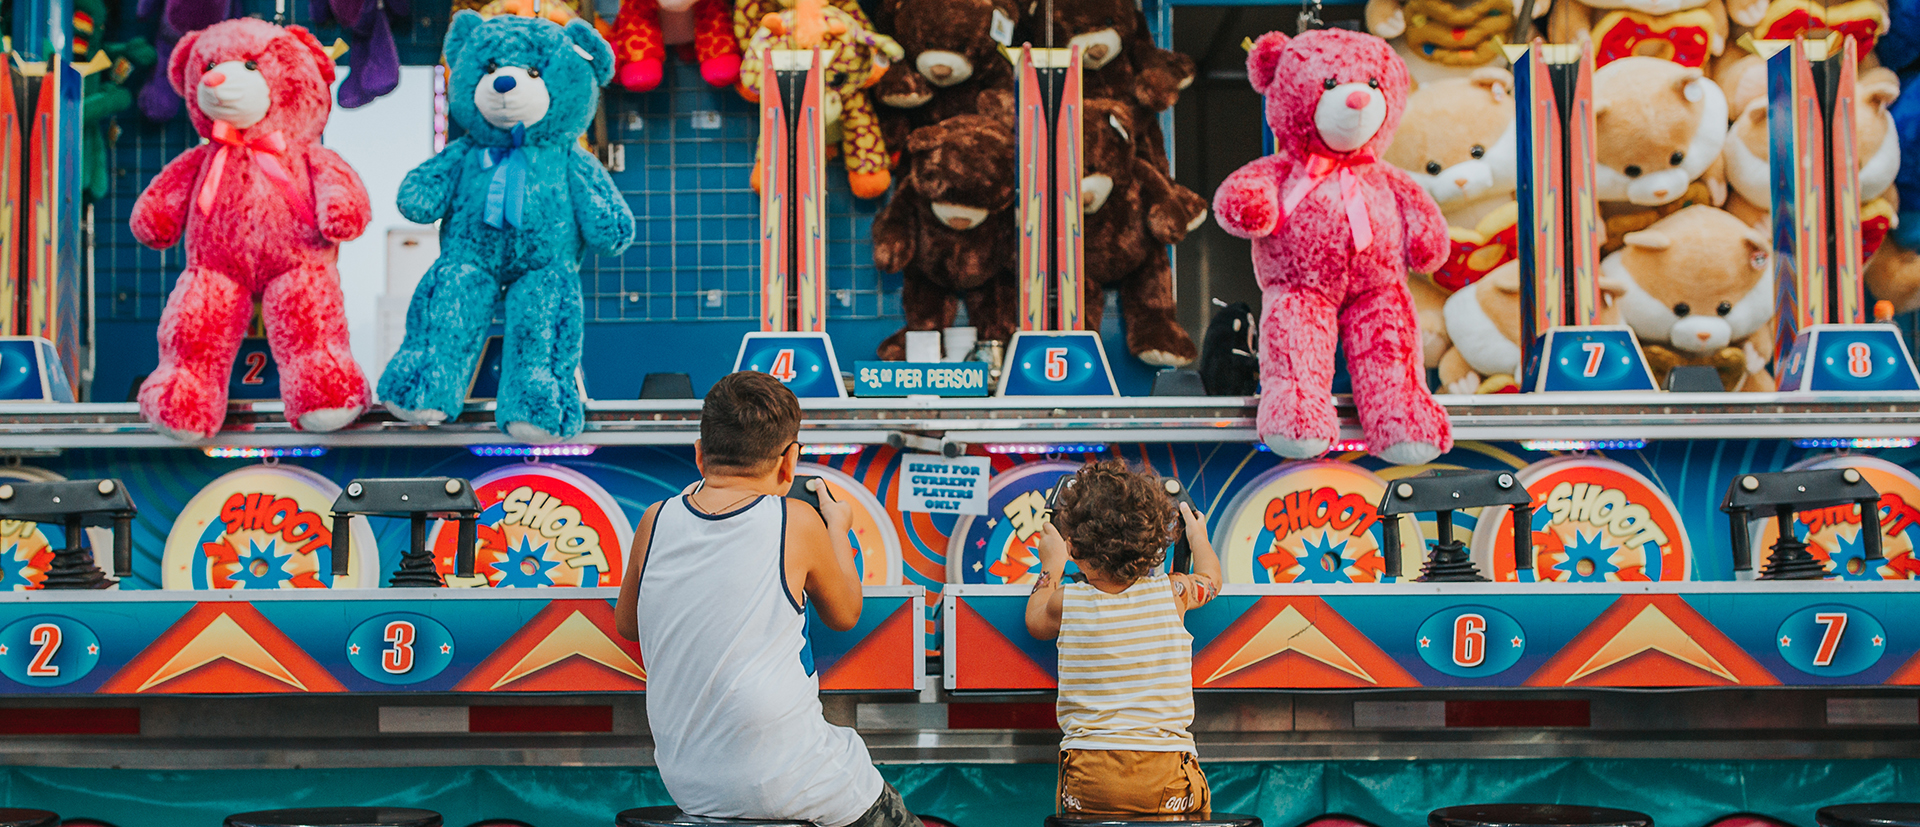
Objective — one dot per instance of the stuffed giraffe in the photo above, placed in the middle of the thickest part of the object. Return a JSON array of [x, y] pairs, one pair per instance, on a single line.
[[859, 57]]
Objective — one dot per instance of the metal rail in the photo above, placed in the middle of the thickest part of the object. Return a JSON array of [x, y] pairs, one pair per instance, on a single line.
[[26, 427]]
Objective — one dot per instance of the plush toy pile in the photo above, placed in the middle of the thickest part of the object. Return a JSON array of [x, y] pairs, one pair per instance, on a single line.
[[1680, 111]]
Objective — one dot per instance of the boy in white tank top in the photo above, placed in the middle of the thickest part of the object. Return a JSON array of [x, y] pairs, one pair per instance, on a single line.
[[715, 596], [1126, 659]]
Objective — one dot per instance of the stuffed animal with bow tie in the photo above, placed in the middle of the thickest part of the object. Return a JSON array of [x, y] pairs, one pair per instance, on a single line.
[[1335, 230], [263, 208], [520, 203]]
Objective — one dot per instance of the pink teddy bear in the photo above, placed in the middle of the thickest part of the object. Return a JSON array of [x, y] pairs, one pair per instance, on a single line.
[[1334, 231], [263, 208]]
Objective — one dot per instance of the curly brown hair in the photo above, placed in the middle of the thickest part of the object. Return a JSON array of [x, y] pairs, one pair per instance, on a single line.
[[1118, 520]]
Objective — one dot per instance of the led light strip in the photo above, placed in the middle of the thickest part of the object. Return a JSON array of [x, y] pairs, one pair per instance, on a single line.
[[1862, 442], [830, 450], [1584, 444], [1047, 448], [256, 452], [531, 450]]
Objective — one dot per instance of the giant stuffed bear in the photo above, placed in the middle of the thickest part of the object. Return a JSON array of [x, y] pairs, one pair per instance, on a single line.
[[519, 204], [1133, 211], [1335, 230], [262, 206]]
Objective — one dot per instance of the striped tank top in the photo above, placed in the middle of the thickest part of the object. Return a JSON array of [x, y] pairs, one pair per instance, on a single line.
[[1126, 669]]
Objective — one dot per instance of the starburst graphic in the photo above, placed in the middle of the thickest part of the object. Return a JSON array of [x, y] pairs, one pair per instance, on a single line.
[[525, 567], [13, 569], [1312, 569], [1843, 559], [261, 568], [1589, 549]]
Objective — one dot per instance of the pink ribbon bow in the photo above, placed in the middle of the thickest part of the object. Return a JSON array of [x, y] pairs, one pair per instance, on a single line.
[[1353, 191], [264, 150]]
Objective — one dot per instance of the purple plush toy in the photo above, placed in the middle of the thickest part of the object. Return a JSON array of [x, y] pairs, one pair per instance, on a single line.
[[158, 101], [372, 58]]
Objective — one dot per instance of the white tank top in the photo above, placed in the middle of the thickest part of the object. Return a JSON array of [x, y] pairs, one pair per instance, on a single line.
[[732, 697]]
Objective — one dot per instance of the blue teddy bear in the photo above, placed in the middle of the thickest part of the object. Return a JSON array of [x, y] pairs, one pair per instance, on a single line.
[[519, 203]]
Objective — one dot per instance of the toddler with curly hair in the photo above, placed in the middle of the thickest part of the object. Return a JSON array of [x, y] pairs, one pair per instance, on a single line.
[[1126, 659]]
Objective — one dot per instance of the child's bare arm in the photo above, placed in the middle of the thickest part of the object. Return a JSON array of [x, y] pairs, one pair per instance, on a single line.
[[625, 621], [1043, 606], [818, 541], [1204, 583]]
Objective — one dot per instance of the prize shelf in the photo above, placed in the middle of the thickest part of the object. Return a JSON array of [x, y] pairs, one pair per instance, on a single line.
[[38, 427]]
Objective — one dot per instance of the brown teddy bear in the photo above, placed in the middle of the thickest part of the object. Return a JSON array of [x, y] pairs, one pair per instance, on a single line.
[[1699, 291], [949, 229], [1659, 129], [1133, 211], [952, 59], [1120, 61]]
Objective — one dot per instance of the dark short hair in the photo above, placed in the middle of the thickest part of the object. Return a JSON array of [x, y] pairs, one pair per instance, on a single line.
[[1118, 520], [746, 422]]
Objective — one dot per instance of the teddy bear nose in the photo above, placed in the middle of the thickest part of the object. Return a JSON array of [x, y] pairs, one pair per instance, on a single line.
[[503, 83], [1097, 51], [942, 72], [1460, 182], [1659, 193], [1704, 335], [213, 79], [1358, 100]]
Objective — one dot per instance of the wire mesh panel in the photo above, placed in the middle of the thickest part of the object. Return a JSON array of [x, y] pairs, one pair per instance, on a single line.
[[695, 257]]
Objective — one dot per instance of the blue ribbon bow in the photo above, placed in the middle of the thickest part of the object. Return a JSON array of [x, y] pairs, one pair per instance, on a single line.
[[507, 190]]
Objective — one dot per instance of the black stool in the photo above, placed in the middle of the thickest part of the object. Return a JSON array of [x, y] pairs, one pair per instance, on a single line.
[[672, 817], [337, 817], [1535, 815], [1189, 820], [1867, 815], [15, 817]]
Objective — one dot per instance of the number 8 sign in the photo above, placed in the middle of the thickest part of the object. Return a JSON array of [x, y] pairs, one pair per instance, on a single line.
[[47, 651]]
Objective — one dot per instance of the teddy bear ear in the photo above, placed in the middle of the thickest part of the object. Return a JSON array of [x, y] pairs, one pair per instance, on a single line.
[[1263, 56], [1691, 84], [458, 30], [1757, 245], [1497, 81], [1756, 111], [181, 59], [321, 60], [591, 46], [926, 138], [1878, 87], [1648, 240]]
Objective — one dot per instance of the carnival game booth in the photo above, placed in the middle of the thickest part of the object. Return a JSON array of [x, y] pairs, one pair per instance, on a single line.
[[1616, 505]]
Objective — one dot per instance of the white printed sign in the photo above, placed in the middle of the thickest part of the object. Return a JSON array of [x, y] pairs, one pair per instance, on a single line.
[[937, 485]]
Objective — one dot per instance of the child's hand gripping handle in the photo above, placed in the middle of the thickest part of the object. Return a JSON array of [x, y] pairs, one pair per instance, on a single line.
[[1183, 501], [814, 492]]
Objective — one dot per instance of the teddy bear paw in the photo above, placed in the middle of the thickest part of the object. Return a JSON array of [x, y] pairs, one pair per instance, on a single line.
[[424, 416], [720, 72], [330, 419], [1411, 452], [1164, 359], [531, 434], [1298, 448]]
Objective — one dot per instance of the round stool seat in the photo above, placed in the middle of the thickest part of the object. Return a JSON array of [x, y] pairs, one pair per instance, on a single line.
[[337, 817], [673, 817], [1189, 820], [1535, 815], [17, 817], [1869, 815]]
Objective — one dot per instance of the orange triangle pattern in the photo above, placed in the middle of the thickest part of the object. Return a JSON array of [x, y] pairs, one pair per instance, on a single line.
[[875, 661], [568, 646], [222, 648], [988, 660], [1295, 642], [1908, 674], [1651, 640]]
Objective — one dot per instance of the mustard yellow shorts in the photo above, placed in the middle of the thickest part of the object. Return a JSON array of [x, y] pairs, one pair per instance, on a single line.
[[1131, 782]]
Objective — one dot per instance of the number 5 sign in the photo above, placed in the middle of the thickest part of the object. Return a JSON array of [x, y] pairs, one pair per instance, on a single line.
[[47, 651], [1062, 363]]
